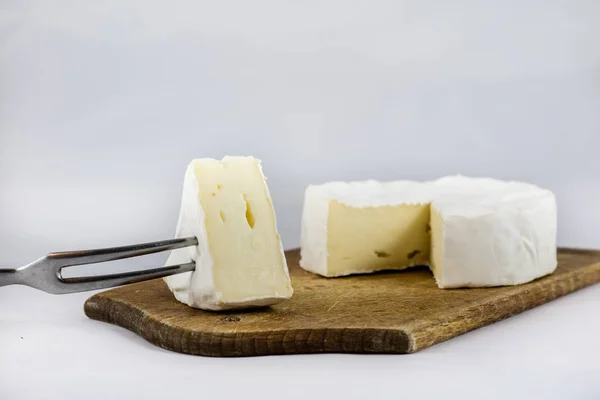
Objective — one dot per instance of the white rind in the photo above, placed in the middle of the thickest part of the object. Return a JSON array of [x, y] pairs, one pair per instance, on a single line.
[[374, 194], [495, 232], [197, 288], [313, 252], [191, 224]]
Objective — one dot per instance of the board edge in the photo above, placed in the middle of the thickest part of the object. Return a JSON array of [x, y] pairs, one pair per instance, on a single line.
[[247, 344]]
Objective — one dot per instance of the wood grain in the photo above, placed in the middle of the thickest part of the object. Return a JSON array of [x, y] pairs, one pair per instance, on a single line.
[[389, 312]]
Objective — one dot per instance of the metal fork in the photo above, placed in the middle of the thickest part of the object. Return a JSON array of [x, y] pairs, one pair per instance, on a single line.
[[45, 273]]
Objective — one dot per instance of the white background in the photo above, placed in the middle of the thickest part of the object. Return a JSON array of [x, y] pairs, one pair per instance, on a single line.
[[103, 104]]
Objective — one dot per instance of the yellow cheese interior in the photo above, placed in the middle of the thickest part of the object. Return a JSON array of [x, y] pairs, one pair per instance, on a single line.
[[366, 239], [437, 242], [241, 230]]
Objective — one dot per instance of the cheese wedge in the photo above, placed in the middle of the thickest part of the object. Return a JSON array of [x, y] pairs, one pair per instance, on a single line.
[[471, 231], [239, 259]]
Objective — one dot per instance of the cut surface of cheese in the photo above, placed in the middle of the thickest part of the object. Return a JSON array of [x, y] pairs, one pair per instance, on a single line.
[[397, 234], [361, 227], [471, 231], [239, 259]]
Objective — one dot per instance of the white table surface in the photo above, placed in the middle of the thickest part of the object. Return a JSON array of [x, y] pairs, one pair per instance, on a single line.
[[50, 350]]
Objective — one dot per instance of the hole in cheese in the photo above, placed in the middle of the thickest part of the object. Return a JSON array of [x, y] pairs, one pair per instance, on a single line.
[[412, 254], [222, 215], [382, 254], [249, 215]]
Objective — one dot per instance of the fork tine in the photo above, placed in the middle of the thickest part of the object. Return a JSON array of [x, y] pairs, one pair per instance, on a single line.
[[82, 284], [46, 273], [80, 257]]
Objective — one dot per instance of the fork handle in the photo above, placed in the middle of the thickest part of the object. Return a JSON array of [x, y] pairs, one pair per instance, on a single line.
[[8, 277]]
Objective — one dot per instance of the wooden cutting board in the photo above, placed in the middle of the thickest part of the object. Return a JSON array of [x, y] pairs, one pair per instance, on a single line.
[[390, 312]]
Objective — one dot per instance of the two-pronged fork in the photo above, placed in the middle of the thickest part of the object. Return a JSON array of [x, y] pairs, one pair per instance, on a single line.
[[45, 273]]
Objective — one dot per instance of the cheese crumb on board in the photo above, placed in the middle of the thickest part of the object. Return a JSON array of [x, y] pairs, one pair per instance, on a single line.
[[239, 259], [472, 232]]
